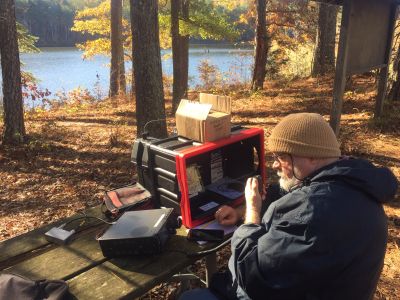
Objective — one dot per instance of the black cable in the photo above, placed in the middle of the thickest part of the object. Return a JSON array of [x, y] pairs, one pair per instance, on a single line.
[[100, 219], [85, 217], [205, 252], [294, 174], [152, 121]]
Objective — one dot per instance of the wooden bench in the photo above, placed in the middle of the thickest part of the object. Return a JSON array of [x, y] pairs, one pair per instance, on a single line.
[[89, 274]]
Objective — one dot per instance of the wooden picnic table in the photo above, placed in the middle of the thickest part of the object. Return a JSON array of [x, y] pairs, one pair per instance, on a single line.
[[88, 273]]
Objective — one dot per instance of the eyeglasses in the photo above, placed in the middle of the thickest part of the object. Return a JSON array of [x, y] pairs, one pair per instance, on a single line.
[[281, 157]]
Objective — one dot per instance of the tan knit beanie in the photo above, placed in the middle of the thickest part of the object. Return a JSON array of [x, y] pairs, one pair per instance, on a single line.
[[304, 134]]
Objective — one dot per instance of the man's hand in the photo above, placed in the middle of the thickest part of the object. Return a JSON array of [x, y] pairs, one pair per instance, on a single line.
[[253, 201], [227, 215]]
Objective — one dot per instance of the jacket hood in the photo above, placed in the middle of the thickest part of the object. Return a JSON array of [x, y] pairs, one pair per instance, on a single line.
[[378, 182]]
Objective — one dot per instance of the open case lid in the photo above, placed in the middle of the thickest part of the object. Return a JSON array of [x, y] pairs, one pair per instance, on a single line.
[[219, 103], [194, 110]]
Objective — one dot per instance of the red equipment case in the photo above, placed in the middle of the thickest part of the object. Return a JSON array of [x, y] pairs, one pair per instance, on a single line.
[[221, 166]]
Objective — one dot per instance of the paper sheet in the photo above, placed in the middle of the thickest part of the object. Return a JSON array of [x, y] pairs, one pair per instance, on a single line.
[[194, 180]]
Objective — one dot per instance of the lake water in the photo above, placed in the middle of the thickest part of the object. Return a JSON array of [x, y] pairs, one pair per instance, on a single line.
[[63, 69]]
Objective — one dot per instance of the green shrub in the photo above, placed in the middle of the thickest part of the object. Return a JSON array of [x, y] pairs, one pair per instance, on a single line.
[[298, 63]]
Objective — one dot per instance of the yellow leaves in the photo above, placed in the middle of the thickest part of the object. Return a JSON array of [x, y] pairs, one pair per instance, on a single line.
[[232, 4], [93, 26], [126, 26], [96, 21], [164, 26], [165, 40], [103, 9], [94, 47], [243, 19], [249, 15]]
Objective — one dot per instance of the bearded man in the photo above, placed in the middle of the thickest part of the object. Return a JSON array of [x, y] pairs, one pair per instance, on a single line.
[[324, 238]]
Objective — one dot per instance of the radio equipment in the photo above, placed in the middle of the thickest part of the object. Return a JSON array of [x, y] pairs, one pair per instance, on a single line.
[[139, 232], [197, 178]]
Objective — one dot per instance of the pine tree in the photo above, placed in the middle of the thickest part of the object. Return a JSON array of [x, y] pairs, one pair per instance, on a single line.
[[261, 44], [14, 126], [117, 69], [324, 56], [180, 52], [150, 106]]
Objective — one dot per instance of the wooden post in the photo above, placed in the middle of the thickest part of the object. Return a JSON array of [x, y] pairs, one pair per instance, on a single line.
[[341, 68], [383, 74]]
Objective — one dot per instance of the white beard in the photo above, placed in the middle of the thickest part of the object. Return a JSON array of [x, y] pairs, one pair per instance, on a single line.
[[287, 183]]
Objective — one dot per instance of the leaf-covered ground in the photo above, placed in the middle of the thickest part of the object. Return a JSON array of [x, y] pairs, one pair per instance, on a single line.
[[76, 152]]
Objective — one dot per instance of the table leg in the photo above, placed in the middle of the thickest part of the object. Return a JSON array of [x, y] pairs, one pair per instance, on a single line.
[[211, 266]]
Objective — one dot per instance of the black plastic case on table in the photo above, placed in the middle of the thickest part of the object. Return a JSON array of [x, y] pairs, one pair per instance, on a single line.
[[156, 161]]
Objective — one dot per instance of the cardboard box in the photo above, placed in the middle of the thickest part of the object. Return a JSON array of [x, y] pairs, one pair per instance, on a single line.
[[204, 121]]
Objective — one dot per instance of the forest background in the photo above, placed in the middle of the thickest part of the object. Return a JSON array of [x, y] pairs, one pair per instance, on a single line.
[[51, 21], [80, 147]]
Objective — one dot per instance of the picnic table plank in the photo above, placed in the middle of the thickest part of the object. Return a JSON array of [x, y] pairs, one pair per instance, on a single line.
[[64, 261], [89, 274], [125, 279], [33, 242]]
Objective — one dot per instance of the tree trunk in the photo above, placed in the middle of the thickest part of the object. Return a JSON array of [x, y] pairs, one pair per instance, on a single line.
[[324, 55], [122, 77], [261, 47], [146, 55], [117, 70], [14, 127], [121, 54], [180, 52], [394, 92]]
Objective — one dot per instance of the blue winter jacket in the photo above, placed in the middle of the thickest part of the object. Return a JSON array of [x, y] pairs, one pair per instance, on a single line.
[[324, 240]]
